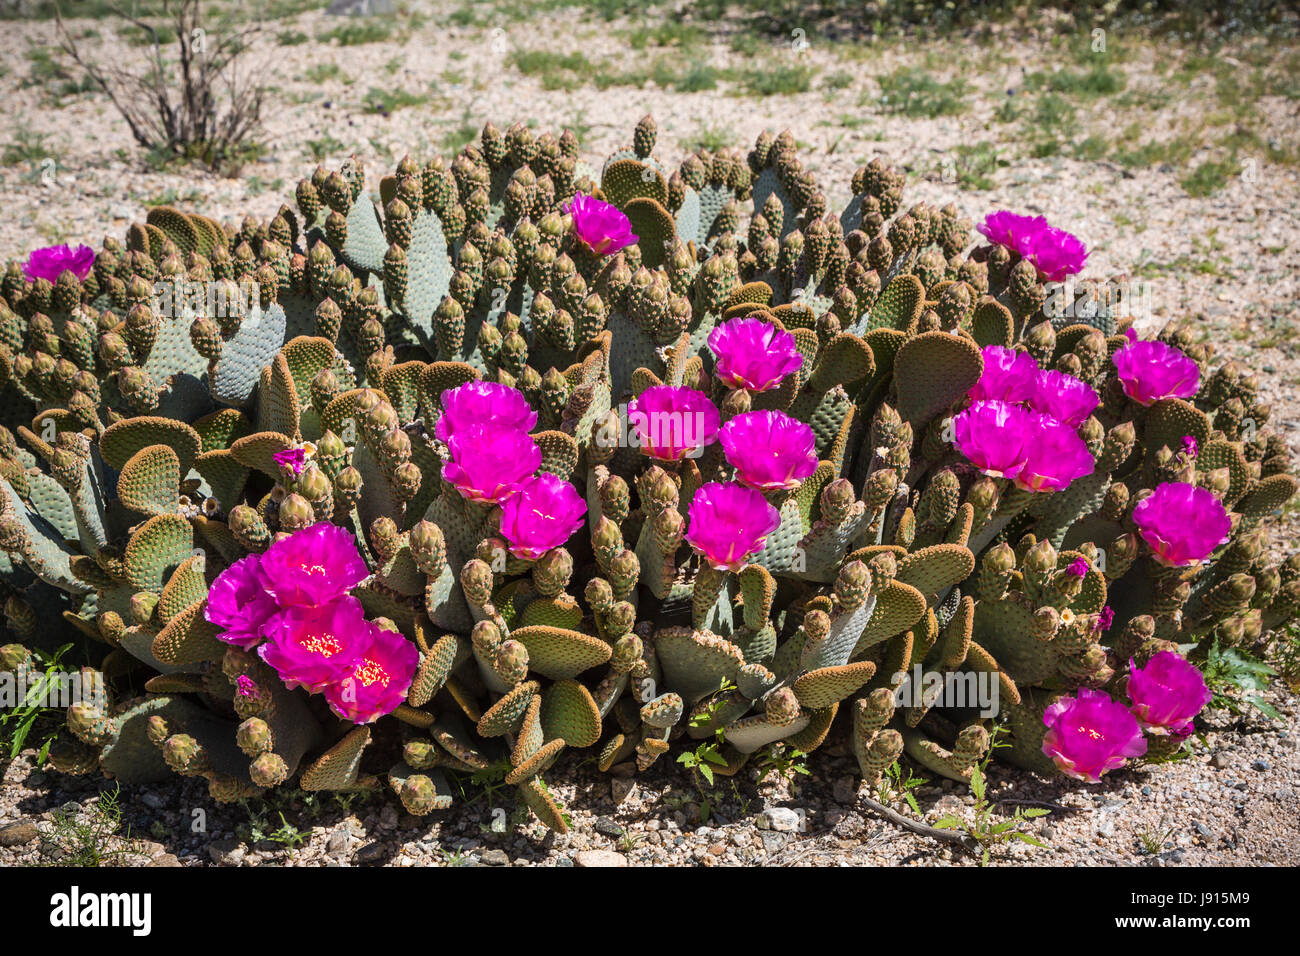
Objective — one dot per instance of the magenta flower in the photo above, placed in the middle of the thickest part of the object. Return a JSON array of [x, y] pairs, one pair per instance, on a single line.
[[545, 514], [600, 225], [727, 523], [1182, 523], [1008, 376], [291, 458], [769, 449], [1150, 371], [314, 647], [239, 602], [672, 422], [1063, 397], [489, 461], [313, 566], [753, 354], [1167, 694], [1011, 230], [1090, 734], [1079, 567], [245, 686], [1055, 455], [1104, 619], [377, 680], [993, 435], [483, 403], [1190, 447], [1055, 253], [52, 261]]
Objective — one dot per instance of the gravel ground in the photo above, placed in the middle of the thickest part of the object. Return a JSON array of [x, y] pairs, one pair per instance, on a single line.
[[1225, 261]]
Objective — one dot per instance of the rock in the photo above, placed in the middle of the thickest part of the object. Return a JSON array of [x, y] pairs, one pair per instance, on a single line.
[[339, 842], [18, 834], [608, 827], [1261, 765], [1219, 761], [229, 852], [165, 859], [370, 854], [388, 817], [1203, 830], [593, 858], [717, 849], [153, 800], [780, 818], [845, 790], [495, 857], [620, 788]]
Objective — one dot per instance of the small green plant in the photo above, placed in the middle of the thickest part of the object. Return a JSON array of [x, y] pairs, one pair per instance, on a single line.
[[1154, 840], [389, 101], [324, 72], [1237, 680], [31, 722], [783, 762], [85, 839], [368, 30], [1209, 177], [779, 80], [707, 755], [324, 147], [897, 783], [983, 829], [913, 92], [27, 147]]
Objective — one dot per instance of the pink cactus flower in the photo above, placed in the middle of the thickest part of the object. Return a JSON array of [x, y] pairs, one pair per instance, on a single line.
[[1090, 734], [1190, 447], [245, 686], [239, 602], [313, 566], [483, 403], [673, 423], [1150, 371], [769, 449], [1008, 376], [1182, 523], [1055, 455], [291, 458], [600, 225], [52, 261], [1079, 567], [1055, 253], [753, 354], [992, 434], [727, 523], [313, 647], [545, 513], [488, 462], [378, 679], [1063, 397], [1167, 694], [1010, 229], [1104, 619]]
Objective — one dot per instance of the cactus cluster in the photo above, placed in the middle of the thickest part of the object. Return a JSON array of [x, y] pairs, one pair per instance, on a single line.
[[293, 371]]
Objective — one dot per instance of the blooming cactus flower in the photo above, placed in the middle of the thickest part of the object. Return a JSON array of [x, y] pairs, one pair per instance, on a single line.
[[1104, 619], [1055, 455], [769, 449], [1079, 567], [489, 461], [1008, 375], [600, 225], [1166, 694], [1182, 523], [992, 435], [291, 458], [377, 680], [726, 523], [239, 602], [753, 354], [545, 513], [483, 403], [1063, 397], [52, 261], [1010, 229], [1090, 734], [313, 647], [1055, 253], [1150, 371], [313, 566], [672, 422]]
